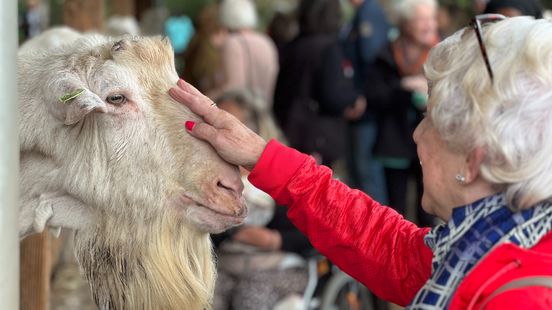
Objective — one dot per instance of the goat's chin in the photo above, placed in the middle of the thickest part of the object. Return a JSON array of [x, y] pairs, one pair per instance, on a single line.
[[165, 265], [207, 220]]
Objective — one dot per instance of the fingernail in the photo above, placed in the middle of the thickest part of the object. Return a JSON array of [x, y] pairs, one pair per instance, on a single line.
[[189, 125]]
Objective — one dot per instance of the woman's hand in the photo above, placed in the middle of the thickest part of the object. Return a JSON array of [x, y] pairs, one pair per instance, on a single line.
[[260, 237], [232, 140], [355, 112], [415, 83]]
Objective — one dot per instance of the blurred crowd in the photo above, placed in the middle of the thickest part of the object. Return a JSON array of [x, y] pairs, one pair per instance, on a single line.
[[349, 92]]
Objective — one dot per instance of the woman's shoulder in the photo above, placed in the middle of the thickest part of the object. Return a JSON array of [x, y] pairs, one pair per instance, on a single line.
[[530, 297], [507, 263]]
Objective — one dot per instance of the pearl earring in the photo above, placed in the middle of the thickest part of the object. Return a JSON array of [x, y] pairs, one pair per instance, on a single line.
[[461, 179]]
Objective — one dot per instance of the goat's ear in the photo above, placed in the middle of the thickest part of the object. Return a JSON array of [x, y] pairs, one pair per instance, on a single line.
[[79, 102]]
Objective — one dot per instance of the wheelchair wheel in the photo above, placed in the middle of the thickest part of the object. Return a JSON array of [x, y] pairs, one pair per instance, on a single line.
[[344, 293]]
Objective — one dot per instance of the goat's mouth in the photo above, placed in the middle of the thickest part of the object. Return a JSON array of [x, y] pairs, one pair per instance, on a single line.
[[213, 217]]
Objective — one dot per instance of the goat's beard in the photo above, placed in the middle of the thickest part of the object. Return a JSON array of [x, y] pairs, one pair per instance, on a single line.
[[163, 264]]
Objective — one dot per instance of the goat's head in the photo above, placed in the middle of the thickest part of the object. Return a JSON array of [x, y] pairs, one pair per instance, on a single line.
[[123, 139], [104, 151]]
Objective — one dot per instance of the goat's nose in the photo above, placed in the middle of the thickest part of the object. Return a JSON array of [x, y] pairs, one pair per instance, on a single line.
[[231, 184]]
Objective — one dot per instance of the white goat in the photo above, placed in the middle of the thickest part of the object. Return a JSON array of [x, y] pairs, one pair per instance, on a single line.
[[104, 151]]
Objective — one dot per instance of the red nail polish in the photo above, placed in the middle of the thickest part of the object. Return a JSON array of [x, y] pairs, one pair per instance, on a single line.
[[189, 125]]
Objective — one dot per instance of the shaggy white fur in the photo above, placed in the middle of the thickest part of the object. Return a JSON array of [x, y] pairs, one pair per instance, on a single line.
[[116, 164]]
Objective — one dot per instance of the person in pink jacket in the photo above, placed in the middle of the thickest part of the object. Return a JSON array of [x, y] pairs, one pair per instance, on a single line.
[[249, 58], [485, 148]]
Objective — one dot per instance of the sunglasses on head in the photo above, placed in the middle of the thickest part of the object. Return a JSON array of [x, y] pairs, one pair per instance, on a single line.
[[477, 24]]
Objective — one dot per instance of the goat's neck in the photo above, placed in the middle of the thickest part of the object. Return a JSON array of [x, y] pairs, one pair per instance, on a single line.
[[161, 264]]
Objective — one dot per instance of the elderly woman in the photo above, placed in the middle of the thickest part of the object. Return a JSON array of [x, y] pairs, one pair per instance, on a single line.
[[396, 90], [485, 148]]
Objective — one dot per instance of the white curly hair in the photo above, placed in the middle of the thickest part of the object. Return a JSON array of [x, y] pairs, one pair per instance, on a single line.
[[404, 10], [512, 117]]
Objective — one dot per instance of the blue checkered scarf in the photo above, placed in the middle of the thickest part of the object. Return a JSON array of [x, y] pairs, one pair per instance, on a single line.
[[472, 232]]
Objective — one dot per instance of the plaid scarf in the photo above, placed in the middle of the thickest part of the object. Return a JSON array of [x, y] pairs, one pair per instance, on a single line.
[[473, 231]]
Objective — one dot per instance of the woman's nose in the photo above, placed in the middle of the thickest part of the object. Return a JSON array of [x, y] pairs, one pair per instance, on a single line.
[[416, 134]]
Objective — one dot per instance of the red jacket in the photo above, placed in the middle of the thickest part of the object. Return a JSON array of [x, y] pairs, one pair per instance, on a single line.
[[378, 247]]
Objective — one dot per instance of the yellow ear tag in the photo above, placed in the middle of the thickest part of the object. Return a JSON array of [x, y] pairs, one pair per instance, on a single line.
[[72, 95]]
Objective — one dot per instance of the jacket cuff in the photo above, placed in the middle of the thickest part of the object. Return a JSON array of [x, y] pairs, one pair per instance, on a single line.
[[275, 168]]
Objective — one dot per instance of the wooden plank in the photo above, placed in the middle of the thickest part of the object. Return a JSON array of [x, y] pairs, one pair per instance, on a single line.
[[35, 272]]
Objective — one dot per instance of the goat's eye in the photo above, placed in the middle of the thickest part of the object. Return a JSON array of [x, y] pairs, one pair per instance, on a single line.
[[116, 99]]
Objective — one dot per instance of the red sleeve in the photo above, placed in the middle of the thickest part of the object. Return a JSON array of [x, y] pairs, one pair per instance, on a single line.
[[372, 243], [536, 298]]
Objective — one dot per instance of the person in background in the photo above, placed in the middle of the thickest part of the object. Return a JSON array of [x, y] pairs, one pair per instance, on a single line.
[[478, 6], [118, 25], [260, 262], [444, 21], [152, 20], [314, 90], [397, 88], [512, 8], [180, 30], [249, 57], [484, 147], [203, 59], [362, 39], [36, 18], [282, 29]]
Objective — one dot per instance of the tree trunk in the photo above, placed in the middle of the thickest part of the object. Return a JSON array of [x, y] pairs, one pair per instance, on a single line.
[[123, 7], [84, 15]]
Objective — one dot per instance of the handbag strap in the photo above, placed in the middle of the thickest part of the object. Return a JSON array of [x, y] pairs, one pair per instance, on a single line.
[[542, 281]]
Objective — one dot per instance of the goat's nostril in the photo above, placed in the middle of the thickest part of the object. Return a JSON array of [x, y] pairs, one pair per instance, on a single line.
[[220, 184], [229, 187]]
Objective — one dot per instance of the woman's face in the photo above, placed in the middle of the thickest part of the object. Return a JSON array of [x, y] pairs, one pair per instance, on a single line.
[[422, 27], [439, 167]]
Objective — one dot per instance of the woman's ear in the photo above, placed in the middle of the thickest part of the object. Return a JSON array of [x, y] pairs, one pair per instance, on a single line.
[[473, 162]]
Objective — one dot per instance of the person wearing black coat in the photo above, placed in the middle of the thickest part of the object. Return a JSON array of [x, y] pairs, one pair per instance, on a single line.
[[315, 87], [397, 91], [515, 7]]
